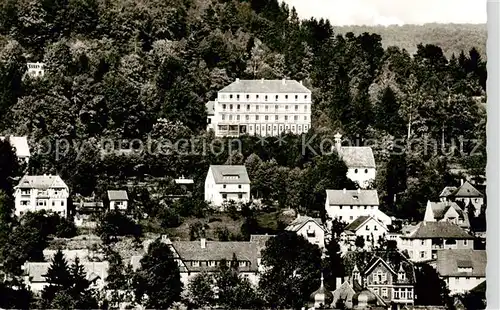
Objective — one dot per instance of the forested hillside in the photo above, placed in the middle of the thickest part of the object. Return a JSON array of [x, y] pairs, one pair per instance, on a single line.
[[132, 69], [452, 38]]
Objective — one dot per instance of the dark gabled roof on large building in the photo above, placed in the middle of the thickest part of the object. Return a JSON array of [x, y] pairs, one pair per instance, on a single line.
[[358, 157], [429, 230], [265, 86], [450, 261], [364, 197], [216, 251], [229, 174]]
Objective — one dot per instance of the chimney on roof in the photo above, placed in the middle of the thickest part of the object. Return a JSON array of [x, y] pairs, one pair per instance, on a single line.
[[284, 81], [203, 243], [338, 142], [262, 80], [300, 82], [345, 190], [461, 182], [359, 190], [237, 79]]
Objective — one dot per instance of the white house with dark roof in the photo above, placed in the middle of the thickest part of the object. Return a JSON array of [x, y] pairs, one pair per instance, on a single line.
[[35, 272], [118, 200], [359, 160], [462, 270], [261, 107], [21, 146], [41, 192], [310, 228], [424, 240], [466, 193], [226, 183], [446, 211], [367, 227], [347, 205]]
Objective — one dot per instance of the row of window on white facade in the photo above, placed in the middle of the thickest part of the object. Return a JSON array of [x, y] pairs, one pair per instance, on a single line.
[[266, 97], [40, 193], [266, 107], [423, 242], [263, 128], [213, 263], [266, 117], [40, 203]]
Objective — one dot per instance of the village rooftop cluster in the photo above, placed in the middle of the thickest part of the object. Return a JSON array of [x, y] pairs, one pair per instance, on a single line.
[[385, 279]]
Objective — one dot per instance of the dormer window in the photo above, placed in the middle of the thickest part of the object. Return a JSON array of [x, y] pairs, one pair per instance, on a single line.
[[243, 264], [401, 275], [355, 197], [195, 264]]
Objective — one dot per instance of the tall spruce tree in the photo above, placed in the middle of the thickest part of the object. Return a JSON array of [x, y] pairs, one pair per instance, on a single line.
[[158, 278], [58, 277]]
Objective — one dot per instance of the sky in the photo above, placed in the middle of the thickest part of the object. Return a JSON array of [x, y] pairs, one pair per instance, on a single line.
[[392, 12]]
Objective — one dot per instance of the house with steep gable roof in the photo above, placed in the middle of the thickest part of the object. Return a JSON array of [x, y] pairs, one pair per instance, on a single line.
[[424, 240], [41, 192], [367, 227], [462, 270], [387, 274], [446, 211], [226, 183], [310, 228], [359, 160], [466, 194], [347, 205]]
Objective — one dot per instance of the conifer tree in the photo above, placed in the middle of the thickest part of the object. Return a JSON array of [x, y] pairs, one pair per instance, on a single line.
[[58, 277]]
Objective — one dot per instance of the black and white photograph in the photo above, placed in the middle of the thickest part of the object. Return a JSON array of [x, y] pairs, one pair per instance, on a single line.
[[244, 154]]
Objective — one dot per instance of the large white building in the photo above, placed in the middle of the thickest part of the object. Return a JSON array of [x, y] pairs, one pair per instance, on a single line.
[[347, 205], [260, 107], [41, 192], [226, 183], [359, 160], [424, 240]]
